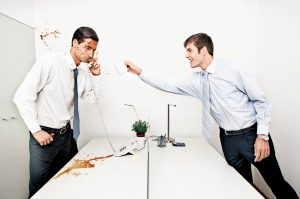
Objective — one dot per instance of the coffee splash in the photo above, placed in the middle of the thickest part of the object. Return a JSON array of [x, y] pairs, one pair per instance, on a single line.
[[44, 35], [79, 164]]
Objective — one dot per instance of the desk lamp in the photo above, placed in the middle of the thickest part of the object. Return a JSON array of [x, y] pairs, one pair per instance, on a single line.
[[168, 135], [137, 116]]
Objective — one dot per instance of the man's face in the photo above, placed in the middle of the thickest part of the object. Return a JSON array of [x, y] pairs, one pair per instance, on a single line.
[[196, 58], [84, 51]]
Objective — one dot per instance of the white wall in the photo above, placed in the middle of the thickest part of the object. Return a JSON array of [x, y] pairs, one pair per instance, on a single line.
[[19, 10], [17, 55], [279, 60], [152, 34]]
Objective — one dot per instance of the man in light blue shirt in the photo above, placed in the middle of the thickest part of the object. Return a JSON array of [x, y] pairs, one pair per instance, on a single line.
[[239, 106]]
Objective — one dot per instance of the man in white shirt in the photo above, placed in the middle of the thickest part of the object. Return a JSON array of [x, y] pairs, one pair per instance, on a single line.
[[45, 101], [237, 103]]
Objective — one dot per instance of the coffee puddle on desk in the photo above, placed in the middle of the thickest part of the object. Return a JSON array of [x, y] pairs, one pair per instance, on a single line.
[[80, 164]]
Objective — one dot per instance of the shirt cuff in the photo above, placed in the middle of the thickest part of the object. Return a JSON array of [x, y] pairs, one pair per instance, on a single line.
[[263, 129], [34, 128], [143, 75]]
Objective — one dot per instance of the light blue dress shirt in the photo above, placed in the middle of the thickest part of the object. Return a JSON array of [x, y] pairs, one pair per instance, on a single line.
[[236, 99]]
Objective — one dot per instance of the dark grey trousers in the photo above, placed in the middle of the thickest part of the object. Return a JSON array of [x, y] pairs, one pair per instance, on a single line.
[[46, 161], [239, 153]]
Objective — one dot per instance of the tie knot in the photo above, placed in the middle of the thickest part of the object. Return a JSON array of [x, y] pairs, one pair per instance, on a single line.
[[204, 73], [75, 71]]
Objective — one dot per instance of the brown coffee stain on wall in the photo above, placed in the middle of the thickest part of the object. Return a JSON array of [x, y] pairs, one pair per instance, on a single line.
[[43, 35], [79, 164]]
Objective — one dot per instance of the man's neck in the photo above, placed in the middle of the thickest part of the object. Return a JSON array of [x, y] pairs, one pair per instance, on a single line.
[[207, 62], [76, 60]]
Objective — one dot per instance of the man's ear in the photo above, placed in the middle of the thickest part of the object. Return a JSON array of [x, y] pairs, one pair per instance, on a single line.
[[203, 50], [75, 43]]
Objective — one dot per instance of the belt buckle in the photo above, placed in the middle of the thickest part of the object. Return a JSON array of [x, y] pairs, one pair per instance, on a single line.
[[63, 130], [226, 132]]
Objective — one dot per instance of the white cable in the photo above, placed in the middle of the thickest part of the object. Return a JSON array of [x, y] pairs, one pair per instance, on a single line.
[[137, 116], [99, 109]]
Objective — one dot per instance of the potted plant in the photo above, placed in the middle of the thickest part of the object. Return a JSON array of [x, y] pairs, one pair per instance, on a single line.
[[140, 127]]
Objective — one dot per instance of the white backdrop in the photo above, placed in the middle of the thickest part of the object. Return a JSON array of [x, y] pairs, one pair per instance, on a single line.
[[152, 34], [279, 61]]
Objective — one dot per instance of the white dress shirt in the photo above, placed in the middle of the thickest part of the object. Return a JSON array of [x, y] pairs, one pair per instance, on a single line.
[[236, 100], [46, 96]]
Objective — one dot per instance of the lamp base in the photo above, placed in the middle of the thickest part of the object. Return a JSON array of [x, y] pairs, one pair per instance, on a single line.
[[170, 140]]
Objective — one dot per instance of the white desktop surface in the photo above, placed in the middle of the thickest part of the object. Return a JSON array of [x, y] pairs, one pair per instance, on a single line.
[[114, 177], [192, 172]]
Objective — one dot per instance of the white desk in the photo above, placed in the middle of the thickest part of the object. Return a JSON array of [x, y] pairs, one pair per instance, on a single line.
[[122, 177], [193, 172]]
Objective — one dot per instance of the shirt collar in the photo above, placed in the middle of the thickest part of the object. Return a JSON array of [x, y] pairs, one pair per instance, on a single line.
[[70, 60], [211, 67]]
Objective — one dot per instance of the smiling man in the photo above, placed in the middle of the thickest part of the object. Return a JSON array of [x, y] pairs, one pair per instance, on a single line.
[[48, 103], [238, 105]]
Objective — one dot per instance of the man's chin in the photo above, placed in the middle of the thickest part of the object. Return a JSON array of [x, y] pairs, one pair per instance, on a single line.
[[85, 61]]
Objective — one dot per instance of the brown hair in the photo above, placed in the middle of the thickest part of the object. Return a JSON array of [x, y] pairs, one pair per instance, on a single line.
[[200, 40]]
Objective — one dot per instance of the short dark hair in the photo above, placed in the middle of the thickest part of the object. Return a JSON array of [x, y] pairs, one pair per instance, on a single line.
[[83, 33], [200, 40]]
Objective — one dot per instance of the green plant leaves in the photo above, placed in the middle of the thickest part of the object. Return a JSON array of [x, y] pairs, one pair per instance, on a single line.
[[140, 126]]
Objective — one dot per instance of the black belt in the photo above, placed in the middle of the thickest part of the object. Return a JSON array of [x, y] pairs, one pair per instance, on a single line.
[[241, 131], [60, 131]]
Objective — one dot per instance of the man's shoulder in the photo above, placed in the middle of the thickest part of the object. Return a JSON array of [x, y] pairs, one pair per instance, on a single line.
[[51, 59], [228, 64], [52, 55]]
